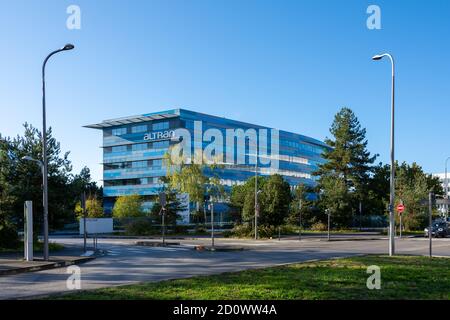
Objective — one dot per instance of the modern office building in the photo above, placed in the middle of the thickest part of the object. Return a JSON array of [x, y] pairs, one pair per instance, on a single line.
[[134, 148]]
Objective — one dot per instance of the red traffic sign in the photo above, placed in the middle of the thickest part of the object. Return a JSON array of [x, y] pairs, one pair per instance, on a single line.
[[400, 208]]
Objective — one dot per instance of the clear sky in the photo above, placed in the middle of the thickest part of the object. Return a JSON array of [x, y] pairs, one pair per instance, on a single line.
[[290, 65]]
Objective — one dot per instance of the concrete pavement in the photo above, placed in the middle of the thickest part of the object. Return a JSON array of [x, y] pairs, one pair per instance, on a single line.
[[127, 263]]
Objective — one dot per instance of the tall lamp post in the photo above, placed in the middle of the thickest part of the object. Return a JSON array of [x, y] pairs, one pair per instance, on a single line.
[[44, 149], [446, 188], [392, 190], [256, 194]]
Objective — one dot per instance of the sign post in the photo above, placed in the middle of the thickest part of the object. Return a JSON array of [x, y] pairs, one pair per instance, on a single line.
[[328, 212], [430, 227], [300, 220], [28, 231], [400, 209]]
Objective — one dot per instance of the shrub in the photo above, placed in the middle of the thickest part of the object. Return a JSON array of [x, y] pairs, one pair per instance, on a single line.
[[181, 229], [140, 227], [242, 231], [200, 229], [319, 226]]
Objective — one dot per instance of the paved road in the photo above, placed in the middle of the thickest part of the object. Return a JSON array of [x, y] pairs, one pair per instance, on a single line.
[[126, 263]]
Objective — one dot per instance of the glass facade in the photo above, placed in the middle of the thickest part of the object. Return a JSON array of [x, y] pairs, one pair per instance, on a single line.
[[133, 149]]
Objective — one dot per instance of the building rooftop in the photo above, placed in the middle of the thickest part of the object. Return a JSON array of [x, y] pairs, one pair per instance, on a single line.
[[173, 113]]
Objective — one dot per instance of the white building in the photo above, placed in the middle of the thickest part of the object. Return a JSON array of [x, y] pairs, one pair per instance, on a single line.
[[441, 177]]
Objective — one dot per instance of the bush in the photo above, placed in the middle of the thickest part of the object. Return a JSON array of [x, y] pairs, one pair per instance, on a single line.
[[242, 231], [140, 227], [200, 229], [265, 231], [319, 226], [181, 229], [9, 238]]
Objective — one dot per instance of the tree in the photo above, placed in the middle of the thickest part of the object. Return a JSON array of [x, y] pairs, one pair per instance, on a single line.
[[25, 177], [187, 178], [248, 208], [128, 207], [173, 206], [412, 185], [93, 208], [345, 175], [301, 203], [8, 230], [275, 200], [82, 182]]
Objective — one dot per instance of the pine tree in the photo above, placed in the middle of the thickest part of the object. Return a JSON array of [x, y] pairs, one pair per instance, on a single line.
[[345, 175]]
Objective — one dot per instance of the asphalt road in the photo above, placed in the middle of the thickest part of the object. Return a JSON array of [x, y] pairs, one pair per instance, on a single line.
[[127, 263]]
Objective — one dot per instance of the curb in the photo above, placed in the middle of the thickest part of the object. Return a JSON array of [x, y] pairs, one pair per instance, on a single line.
[[201, 248], [47, 266], [156, 243]]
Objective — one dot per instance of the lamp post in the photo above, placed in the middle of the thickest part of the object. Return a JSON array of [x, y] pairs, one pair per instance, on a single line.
[[256, 188], [446, 187], [392, 188], [44, 149], [40, 164], [256, 194]]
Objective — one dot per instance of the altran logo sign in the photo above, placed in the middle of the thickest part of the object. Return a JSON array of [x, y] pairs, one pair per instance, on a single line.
[[168, 134]]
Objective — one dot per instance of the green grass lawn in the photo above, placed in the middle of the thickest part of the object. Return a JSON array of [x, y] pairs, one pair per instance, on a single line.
[[402, 277]]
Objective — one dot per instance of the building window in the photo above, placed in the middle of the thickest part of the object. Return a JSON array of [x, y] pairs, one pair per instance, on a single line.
[[157, 163], [160, 144], [119, 131], [139, 129], [139, 147], [139, 164], [160, 126], [119, 149]]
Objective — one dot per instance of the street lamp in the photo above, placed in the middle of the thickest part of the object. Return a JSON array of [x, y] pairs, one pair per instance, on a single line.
[[44, 149], [392, 190], [39, 162]]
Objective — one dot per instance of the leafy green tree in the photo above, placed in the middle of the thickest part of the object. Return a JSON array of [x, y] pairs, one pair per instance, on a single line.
[[237, 199], [173, 206], [248, 209], [128, 207], [8, 230], [345, 175], [412, 185], [82, 182], [301, 203], [94, 208], [26, 177], [186, 178], [377, 199], [275, 201]]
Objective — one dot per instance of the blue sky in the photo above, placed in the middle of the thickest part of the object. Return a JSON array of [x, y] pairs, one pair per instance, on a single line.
[[290, 65]]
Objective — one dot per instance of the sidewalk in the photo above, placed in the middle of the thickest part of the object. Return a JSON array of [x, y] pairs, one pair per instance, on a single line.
[[10, 266], [13, 263]]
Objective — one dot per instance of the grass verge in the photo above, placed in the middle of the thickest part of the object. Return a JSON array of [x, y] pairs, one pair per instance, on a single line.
[[402, 277]]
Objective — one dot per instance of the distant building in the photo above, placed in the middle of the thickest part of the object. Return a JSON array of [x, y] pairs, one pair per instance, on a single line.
[[441, 177]]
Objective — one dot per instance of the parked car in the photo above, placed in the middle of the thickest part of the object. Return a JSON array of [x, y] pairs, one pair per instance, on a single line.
[[438, 229]]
